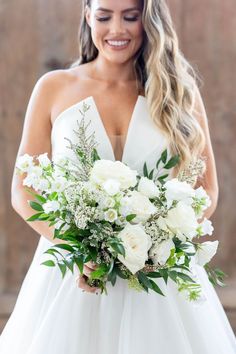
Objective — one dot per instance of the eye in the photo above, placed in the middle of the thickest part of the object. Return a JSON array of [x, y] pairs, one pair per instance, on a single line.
[[102, 19], [131, 18]]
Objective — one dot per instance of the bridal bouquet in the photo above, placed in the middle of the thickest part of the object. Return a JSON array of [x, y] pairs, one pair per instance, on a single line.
[[137, 227]]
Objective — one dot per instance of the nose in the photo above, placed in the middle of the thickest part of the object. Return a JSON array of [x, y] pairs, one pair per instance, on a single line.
[[117, 25]]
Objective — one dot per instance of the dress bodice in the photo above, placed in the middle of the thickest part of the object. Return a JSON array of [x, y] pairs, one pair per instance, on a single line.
[[143, 142]]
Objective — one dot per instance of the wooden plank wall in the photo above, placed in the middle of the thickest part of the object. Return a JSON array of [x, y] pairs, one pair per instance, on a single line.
[[41, 35]]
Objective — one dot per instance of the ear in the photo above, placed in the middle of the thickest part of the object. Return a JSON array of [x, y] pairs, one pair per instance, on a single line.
[[87, 15]]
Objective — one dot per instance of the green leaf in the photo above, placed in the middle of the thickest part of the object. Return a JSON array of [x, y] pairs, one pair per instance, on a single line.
[[99, 272], [164, 274], [40, 198], [130, 217], [34, 217], [172, 162], [156, 288], [145, 170], [144, 280], [65, 246], [79, 260], [112, 276], [119, 248], [164, 156], [62, 267], [154, 275], [69, 263], [151, 174], [49, 263], [120, 273], [36, 206]]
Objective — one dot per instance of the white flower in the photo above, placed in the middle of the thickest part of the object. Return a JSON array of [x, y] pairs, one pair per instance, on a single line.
[[24, 162], [44, 160], [147, 187], [59, 184], [140, 205], [136, 243], [160, 252], [41, 184], [104, 170], [182, 221], [111, 186], [206, 228], [110, 215], [205, 252], [33, 178], [51, 205], [180, 191], [58, 224], [200, 193], [106, 202]]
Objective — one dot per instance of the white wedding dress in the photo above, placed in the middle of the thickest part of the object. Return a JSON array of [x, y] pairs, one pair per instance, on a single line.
[[53, 316]]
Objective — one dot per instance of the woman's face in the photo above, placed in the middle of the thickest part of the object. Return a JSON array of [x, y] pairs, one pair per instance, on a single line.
[[116, 28]]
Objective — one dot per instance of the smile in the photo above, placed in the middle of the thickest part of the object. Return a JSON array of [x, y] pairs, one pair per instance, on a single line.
[[118, 44]]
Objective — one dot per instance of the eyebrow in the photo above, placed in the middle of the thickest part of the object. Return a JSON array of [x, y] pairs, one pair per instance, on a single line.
[[126, 10]]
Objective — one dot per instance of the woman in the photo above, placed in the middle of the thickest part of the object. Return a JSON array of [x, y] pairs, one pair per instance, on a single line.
[[127, 48]]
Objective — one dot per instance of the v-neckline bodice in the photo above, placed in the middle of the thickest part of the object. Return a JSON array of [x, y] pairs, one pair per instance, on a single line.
[[101, 123]]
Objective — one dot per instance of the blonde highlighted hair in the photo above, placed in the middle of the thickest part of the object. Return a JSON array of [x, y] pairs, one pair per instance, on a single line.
[[168, 79]]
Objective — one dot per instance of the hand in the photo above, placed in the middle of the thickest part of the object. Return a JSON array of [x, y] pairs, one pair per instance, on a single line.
[[81, 279]]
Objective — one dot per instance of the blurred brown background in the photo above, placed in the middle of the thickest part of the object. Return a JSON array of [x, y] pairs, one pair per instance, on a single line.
[[41, 35]]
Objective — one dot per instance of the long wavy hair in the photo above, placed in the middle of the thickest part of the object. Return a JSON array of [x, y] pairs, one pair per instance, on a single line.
[[168, 79]]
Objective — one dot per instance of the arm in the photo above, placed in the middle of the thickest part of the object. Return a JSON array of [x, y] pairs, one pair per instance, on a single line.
[[209, 180], [35, 140]]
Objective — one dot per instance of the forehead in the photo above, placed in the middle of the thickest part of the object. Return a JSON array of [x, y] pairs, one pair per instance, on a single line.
[[115, 5]]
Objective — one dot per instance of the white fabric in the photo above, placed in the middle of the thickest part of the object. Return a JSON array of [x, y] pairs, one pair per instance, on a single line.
[[54, 316]]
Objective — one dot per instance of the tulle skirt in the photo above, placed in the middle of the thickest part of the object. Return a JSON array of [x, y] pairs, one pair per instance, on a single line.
[[53, 316]]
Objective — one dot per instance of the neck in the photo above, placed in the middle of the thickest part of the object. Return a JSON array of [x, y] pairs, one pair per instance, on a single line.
[[104, 70]]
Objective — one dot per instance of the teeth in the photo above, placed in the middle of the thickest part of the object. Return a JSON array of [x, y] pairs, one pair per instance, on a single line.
[[117, 43]]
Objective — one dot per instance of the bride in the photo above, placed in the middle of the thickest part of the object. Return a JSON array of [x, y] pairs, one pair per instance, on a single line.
[[144, 97]]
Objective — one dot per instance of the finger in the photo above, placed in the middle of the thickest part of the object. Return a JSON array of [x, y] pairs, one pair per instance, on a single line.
[[83, 285], [91, 265], [87, 270]]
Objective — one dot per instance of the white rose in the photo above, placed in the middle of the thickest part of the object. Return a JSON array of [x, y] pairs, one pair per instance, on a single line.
[[160, 252], [111, 186], [206, 228], [24, 162], [147, 187], [110, 215], [180, 191], [51, 205], [205, 252], [140, 205], [104, 170], [44, 160], [182, 221], [136, 243]]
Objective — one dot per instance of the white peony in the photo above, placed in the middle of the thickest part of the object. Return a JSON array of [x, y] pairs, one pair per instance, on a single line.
[[182, 221], [24, 162], [180, 191], [110, 215], [111, 186], [44, 160], [140, 205], [205, 252], [160, 252], [136, 243], [147, 187], [206, 228], [104, 170], [51, 205]]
